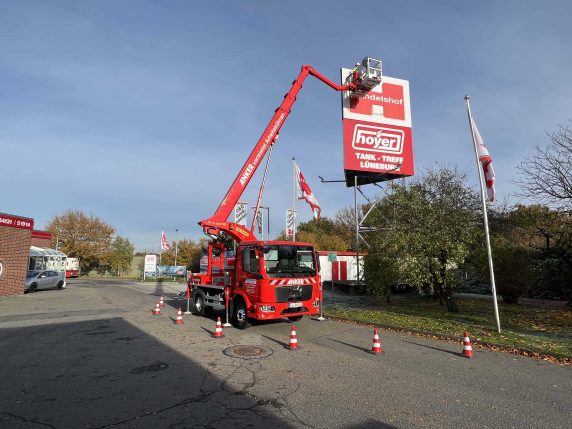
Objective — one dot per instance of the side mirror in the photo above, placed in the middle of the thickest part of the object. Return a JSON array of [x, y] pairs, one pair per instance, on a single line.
[[318, 260]]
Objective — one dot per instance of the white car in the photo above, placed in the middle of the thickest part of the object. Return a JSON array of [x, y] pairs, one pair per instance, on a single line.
[[36, 280]]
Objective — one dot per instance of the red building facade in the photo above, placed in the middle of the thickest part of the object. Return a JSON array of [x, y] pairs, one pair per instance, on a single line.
[[16, 236]]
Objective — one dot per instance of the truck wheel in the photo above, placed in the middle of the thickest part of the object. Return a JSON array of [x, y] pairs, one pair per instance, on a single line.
[[295, 318], [199, 303], [239, 315]]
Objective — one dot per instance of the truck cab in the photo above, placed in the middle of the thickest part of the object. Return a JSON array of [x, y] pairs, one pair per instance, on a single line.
[[268, 280]]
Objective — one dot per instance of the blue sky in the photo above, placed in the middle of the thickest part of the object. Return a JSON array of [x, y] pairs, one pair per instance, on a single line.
[[142, 112]]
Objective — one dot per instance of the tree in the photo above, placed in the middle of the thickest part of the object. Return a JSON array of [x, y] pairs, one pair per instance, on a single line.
[[433, 227], [323, 234], [121, 255], [82, 236], [539, 236], [188, 254], [547, 176]]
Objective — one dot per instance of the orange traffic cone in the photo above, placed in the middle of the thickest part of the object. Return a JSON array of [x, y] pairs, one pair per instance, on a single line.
[[467, 349], [293, 340], [218, 330], [179, 320], [161, 301], [376, 347], [157, 309]]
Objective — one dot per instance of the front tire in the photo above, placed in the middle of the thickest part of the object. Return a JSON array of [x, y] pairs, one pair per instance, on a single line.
[[33, 288], [199, 303], [239, 315]]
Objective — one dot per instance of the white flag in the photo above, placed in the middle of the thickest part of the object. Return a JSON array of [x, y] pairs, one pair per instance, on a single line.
[[290, 219], [486, 162], [305, 193], [164, 241], [259, 220], [240, 213]]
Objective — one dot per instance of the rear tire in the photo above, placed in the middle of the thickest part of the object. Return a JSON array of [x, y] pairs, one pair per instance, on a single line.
[[199, 303], [295, 318], [239, 315], [60, 285]]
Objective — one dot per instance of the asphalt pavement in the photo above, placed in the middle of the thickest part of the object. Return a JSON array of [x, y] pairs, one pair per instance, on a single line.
[[94, 356]]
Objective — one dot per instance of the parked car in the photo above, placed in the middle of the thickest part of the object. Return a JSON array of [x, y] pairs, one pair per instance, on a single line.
[[36, 280]]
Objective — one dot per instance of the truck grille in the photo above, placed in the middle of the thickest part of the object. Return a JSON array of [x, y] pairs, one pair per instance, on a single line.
[[293, 293]]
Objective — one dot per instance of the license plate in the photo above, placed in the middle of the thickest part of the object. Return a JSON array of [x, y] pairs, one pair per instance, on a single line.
[[294, 304]]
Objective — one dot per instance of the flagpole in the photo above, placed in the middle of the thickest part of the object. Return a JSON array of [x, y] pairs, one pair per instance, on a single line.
[[294, 198], [485, 215]]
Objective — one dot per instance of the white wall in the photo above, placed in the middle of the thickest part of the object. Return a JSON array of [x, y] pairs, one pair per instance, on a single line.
[[326, 267]]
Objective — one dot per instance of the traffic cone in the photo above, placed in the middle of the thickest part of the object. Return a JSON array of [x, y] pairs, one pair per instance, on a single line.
[[376, 347], [162, 301], [467, 349], [179, 320], [293, 340], [218, 330], [157, 310]]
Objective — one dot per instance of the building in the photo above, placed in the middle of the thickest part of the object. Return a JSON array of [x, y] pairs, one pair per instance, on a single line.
[[17, 234], [340, 266]]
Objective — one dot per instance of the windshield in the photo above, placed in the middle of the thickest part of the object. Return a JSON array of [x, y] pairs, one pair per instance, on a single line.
[[289, 261], [31, 274]]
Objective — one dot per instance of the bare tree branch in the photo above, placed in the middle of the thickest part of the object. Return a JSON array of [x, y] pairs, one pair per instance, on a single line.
[[548, 175]]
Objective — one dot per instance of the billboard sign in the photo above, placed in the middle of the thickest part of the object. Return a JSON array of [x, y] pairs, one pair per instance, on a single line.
[[150, 265], [16, 221], [172, 270], [377, 132]]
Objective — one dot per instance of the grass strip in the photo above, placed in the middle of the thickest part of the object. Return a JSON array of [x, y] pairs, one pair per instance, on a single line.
[[526, 328]]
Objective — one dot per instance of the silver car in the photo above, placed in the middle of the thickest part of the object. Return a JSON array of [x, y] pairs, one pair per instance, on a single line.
[[36, 280]]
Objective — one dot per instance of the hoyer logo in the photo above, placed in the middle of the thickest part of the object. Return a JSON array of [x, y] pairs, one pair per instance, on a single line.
[[378, 139]]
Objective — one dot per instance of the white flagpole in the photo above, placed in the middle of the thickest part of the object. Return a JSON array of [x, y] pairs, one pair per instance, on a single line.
[[294, 199], [485, 215]]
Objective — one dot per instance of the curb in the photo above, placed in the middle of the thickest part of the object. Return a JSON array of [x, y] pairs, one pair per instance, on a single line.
[[553, 357]]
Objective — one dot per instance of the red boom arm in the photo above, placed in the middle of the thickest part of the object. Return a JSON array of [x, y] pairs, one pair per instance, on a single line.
[[218, 222]]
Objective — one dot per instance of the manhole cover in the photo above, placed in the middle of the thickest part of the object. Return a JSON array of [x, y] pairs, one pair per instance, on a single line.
[[248, 352]]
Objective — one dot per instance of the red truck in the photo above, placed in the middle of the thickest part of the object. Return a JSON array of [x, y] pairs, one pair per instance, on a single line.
[[72, 267], [267, 279]]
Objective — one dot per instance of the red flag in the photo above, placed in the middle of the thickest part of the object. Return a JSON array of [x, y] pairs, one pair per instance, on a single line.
[[305, 193], [486, 162], [164, 242]]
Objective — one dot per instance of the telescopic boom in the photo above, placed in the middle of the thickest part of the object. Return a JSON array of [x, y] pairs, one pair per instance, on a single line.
[[219, 221]]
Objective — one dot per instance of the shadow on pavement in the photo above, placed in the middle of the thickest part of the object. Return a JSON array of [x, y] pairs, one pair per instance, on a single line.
[[106, 372], [363, 349], [434, 348], [371, 424]]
